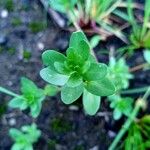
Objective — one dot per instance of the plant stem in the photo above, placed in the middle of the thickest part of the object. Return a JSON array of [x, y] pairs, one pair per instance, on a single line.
[[136, 90], [128, 122], [141, 66], [3, 90]]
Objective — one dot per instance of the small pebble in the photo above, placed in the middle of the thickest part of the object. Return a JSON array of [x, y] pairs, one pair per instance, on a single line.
[[40, 46], [94, 148], [111, 134], [12, 122], [3, 39], [74, 108], [4, 13]]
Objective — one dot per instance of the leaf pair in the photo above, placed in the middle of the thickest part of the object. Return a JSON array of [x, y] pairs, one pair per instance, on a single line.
[[77, 72], [31, 97], [25, 137]]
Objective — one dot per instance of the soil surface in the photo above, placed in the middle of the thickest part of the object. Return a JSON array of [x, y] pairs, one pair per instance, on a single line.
[[63, 127]]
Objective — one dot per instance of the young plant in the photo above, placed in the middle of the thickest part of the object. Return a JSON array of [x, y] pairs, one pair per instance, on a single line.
[[140, 34], [119, 73], [24, 138], [31, 97], [121, 105], [78, 72]]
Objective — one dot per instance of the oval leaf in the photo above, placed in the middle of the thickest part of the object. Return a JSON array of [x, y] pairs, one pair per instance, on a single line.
[[53, 77], [97, 71], [102, 87], [51, 56], [91, 103], [75, 39], [71, 94]]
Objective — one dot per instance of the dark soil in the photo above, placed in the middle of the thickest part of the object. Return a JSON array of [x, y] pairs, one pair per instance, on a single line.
[[63, 128]]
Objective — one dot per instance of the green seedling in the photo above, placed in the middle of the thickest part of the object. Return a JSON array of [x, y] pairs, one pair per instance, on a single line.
[[140, 34], [24, 138], [77, 73], [119, 73], [121, 105], [31, 97]]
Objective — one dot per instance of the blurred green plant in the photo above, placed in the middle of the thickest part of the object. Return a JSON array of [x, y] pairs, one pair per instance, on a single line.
[[32, 96], [90, 13], [138, 135], [77, 73], [119, 73], [24, 138], [140, 32], [121, 106]]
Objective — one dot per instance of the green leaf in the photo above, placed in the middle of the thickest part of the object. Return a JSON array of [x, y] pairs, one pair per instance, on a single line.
[[83, 49], [18, 102], [117, 114], [51, 90], [28, 87], [147, 55], [74, 59], [76, 38], [86, 66], [102, 87], [91, 102], [74, 80], [15, 133], [97, 71], [35, 109], [95, 41], [61, 68], [71, 94], [51, 56], [17, 146], [53, 77]]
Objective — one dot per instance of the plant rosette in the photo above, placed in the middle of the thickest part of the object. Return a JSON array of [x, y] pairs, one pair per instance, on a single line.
[[78, 72]]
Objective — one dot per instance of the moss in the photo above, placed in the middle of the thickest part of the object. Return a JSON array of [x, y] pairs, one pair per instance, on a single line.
[[2, 109], [11, 50], [16, 22], [1, 49], [52, 144], [9, 5], [59, 125], [37, 26], [26, 54], [79, 147]]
